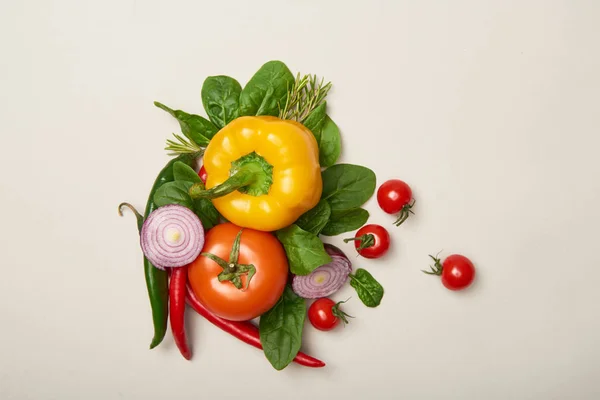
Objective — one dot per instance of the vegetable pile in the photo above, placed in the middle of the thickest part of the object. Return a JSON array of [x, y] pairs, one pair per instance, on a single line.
[[234, 223]]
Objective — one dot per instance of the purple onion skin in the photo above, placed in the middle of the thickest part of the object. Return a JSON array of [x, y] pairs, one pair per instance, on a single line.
[[335, 251], [301, 284]]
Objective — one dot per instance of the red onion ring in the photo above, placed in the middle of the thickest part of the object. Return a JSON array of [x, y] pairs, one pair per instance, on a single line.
[[172, 236], [326, 279]]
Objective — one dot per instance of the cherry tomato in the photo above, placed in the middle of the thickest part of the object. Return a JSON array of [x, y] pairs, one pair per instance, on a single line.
[[394, 196], [371, 241], [457, 271], [224, 299], [324, 314], [202, 174]]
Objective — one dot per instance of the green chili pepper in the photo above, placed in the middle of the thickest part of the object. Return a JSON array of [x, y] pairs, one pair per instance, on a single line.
[[156, 279]]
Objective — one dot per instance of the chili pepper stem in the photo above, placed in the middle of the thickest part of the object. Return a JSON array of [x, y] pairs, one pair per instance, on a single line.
[[138, 216]]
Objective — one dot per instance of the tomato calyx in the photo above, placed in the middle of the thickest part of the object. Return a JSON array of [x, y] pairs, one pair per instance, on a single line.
[[335, 310], [232, 270], [366, 240], [436, 268], [405, 213]]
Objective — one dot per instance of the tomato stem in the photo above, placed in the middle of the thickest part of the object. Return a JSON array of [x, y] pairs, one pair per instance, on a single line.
[[366, 240], [435, 269], [232, 270], [405, 213], [335, 310]]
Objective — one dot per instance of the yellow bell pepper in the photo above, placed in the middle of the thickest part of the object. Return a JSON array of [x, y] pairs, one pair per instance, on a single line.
[[263, 172]]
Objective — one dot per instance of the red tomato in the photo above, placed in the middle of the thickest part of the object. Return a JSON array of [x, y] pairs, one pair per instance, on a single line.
[[457, 271], [394, 197], [260, 249], [202, 174], [371, 241], [324, 314]]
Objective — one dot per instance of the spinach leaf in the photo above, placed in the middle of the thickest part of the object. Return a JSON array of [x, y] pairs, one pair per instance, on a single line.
[[196, 128], [316, 218], [267, 90], [316, 119], [347, 186], [174, 193], [305, 251], [280, 329], [345, 221], [368, 289], [183, 172], [221, 97], [330, 143], [206, 211], [178, 193]]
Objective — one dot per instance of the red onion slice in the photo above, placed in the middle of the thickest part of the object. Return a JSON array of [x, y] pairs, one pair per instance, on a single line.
[[326, 279], [172, 236]]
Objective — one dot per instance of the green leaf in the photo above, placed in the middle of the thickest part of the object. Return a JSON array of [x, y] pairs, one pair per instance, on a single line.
[[316, 218], [183, 172], [316, 119], [220, 97], [347, 186], [330, 143], [174, 193], [368, 289], [267, 90], [280, 329], [305, 251], [345, 221], [206, 211], [178, 193], [196, 128]]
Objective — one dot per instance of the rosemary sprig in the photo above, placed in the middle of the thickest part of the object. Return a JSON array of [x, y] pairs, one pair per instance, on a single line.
[[182, 146], [306, 94]]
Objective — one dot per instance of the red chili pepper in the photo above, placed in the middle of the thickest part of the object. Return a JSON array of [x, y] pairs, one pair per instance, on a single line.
[[177, 309], [244, 330]]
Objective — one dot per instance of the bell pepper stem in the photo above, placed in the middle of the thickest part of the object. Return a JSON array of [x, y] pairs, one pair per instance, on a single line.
[[243, 177]]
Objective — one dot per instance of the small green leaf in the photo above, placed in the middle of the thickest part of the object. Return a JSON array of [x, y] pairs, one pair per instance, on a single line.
[[174, 193], [220, 97], [267, 90], [316, 218], [206, 211], [347, 186], [183, 172], [316, 119], [196, 128], [345, 221], [281, 327], [305, 251], [178, 193], [368, 289], [330, 143]]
